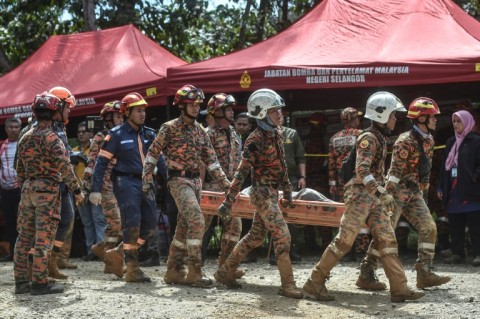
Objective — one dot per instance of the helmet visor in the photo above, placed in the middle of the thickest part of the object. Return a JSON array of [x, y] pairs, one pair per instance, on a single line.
[[195, 95]]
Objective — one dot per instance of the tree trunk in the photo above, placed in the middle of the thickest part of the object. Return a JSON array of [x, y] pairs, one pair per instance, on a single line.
[[4, 62], [241, 37], [89, 15], [262, 15]]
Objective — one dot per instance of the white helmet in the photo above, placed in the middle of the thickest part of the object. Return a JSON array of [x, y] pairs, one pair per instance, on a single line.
[[381, 104], [261, 101]]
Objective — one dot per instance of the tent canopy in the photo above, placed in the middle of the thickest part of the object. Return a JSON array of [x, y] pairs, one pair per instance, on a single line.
[[344, 44], [97, 67]]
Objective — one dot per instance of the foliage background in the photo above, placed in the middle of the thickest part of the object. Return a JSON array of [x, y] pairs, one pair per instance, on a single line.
[[191, 29]]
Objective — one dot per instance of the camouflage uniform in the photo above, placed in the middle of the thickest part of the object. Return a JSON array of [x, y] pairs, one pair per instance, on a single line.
[[227, 146], [406, 185], [109, 202], [341, 143], [43, 163], [263, 155], [185, 147], [362, 206]]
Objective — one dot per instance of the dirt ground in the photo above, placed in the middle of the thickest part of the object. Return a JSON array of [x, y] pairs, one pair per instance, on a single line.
[[91, 294]]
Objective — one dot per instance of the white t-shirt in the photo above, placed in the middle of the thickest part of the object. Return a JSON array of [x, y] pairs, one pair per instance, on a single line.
[[8, 175]]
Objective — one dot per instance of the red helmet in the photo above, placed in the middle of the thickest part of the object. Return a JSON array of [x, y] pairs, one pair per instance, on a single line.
[[110, 107], [63, 94], [46, 101], [422, 106], [131, 100], [188, 94], [349, 114], [218, 101]]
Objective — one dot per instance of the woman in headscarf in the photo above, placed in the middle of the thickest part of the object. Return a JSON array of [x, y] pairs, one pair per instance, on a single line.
[[460, 186]]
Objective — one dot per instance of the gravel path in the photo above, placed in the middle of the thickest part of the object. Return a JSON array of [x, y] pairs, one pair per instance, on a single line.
[[92, 294]]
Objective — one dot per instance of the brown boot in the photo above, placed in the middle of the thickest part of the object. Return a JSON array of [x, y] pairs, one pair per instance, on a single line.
[[176, 273], [367, 279], [99, 250], [134, 273], [427, 278], [196, 277], [64, 263], [53, 267], [315, 285], [399, 291], [114, 260], [227, 277], [239, 273], [288, 288]]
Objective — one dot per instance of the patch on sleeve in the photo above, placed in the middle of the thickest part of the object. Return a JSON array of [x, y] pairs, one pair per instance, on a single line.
[[364, 144], [403, 154]]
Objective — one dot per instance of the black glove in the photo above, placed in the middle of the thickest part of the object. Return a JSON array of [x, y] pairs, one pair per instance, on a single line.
[[225, 211], [77, 157]]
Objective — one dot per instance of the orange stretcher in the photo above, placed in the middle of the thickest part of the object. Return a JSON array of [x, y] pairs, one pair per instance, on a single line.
[[305, 212]]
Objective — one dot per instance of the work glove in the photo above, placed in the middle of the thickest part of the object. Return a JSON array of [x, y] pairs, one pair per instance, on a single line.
[[149, 190], [225, 211], [95, 198], [77, 157], [386, 200], [79, 198], [287, 200]]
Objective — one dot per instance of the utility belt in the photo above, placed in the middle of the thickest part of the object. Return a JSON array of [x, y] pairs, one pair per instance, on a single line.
[[116, 174], [186, 174]]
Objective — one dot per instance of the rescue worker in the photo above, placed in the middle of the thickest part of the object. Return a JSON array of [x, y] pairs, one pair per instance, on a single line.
[[407, 179], [42, 163], [67, 210], [227, 145], [367, 201], [127, 145], [264, 157], [186, 147], [340, 145], [112, 117]]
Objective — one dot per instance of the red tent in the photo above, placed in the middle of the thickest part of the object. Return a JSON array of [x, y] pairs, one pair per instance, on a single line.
[[97, 67], [346, 44]]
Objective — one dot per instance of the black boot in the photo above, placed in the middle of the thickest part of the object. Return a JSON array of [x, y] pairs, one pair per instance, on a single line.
[[45, 289], [153, 261], [22, 287]]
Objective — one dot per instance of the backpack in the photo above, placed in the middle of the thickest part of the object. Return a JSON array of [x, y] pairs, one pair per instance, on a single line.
[[347, 171]]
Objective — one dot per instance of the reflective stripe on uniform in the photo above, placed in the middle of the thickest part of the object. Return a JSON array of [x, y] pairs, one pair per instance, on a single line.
[[88, 170], [390, 250], [374, 252], [231, 238], [442, 219], [403, 224], [332, 183], [194, 242], [178, 244], [364, 231], [367, 179], [214, 166], [111, 239], [394, 179], [105, 154], [426, 246]]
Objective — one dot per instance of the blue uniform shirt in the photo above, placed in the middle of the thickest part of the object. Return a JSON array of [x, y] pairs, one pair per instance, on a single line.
[[122, 142]]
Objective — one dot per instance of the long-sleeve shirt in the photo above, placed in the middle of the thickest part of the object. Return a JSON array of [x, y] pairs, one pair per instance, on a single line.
[[264, 156], [227, 146], [128, 146], [42, 156], [341, 143], [186, 147]]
